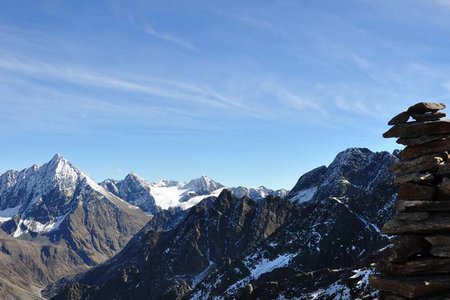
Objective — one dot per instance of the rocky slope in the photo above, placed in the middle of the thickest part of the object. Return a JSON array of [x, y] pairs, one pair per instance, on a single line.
[[56, 221], [235, 247]]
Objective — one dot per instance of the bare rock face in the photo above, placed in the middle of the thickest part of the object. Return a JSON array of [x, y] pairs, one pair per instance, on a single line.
[[419, 264]]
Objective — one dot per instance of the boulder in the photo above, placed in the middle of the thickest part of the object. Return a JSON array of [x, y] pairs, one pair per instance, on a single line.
[[411, 288], [418, 129], [400, 118], [437, 147], [421, 206], [415, 177], [425, 107], [413, 191], [428, 116], [420, 164], [406, 246], [433, 224], [422, 139], [412, 216], [444, 186], [420, 266]]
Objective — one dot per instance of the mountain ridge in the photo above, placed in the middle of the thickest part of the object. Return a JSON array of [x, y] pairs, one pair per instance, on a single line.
[[336, 224]]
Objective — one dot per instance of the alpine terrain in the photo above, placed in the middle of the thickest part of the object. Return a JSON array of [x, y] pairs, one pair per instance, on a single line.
[[55, 222], [317, 242]]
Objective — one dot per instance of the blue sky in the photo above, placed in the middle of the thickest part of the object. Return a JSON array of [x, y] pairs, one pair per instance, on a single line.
[[247, 92]]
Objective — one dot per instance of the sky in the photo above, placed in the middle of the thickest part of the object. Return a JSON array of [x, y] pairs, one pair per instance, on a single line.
[[247, 92]]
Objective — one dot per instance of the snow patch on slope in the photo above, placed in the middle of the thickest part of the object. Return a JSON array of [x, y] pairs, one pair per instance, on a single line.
[[8, 213], [267, 265], [304, 195]]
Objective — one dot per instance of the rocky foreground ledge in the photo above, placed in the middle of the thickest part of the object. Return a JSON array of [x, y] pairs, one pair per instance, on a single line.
[[419, 263]]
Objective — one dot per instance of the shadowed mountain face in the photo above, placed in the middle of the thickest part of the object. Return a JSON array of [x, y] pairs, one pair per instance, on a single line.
[[168, 263], [231, 247], [56, 221]]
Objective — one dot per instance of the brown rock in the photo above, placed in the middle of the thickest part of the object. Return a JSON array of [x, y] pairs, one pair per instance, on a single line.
[[423, 266], [440, 251], [412, 191], [444, 169], [399, 119], [411, 152], [389, 296], [417, 129], [424, 107], [406, 246], [434, 224], [438, 240], [440, 245], [415, 177], [420, 164], [444, 186], [410, 206], [411, 288], [412, 216], [428, 116], [422, 139]]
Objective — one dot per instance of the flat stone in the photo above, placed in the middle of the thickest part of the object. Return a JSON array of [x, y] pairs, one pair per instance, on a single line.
[[422, 139], [415, 177], [440, 251], [411, 288], [444, 169], [424, 107], [389, 296], [412, 191], [411, 152], [401, 118], [412, 216], [420, 164], [427, 206], [424, 266], [427, 116], [406, 246], [444, 186], [438, 240], [440, 245], [434, 224], [417, 129]]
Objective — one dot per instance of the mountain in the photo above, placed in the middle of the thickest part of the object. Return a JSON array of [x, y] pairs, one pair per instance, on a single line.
[[341, 208], [154, 197], [230, 247], [257, 193], [67, 221], [160, 264]]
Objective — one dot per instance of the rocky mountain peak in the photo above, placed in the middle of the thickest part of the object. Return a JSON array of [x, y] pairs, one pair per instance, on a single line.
[[133, 177], [203, 185], [60, 170]]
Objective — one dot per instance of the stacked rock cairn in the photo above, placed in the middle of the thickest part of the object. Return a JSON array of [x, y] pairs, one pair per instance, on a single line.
[[418, 266]]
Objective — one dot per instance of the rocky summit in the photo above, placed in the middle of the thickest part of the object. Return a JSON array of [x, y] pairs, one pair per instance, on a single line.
[[418, 266], [55, 221]]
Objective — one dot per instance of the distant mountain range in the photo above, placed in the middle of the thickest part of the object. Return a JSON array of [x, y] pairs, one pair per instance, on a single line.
[[154, 197], [201, 240]]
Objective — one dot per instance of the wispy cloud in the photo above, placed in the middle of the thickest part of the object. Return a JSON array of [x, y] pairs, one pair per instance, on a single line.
[[177, 91], [169, 38], [286, 98], [444, 3]]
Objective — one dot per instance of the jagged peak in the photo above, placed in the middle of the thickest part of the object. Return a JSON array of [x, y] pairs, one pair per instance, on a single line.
[[134, 177], [203, 182]]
